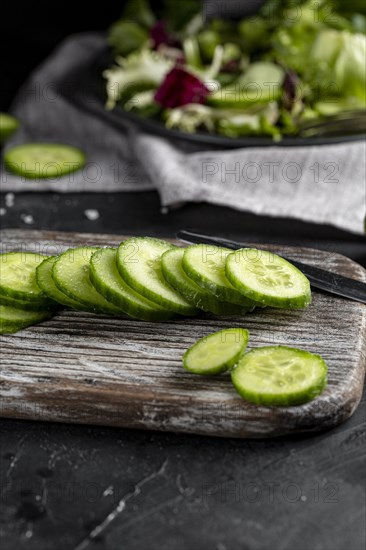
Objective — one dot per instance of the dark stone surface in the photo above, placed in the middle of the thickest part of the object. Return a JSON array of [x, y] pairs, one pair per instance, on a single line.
[[195, 492], [171, 491]]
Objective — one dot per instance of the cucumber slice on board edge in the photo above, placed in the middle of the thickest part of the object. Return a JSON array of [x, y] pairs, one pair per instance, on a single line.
[[171, 264], [139, 263], [107, 280], [13, 319], [27, 306], [8, 125], [279, 376], [268, 278], [18, 278], [205, 264], [11, 328], [44, 160], [47, 284], [216, 352], [70, 273]]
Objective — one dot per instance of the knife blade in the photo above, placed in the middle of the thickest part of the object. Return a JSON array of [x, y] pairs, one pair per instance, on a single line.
[[319, 278]]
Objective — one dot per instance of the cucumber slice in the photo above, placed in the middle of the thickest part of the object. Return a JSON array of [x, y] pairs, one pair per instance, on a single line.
[[27, 306], [70, 273], [139, 263], [205, 264], [13, 319], [278, 375], [105, 277], [43, 160], [171, 264], [217, 352], [10, 328], [8, 125], [47, 284], [268, 278], [18, 278]]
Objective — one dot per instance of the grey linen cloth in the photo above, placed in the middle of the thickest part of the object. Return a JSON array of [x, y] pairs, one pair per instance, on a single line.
[[322, 184]]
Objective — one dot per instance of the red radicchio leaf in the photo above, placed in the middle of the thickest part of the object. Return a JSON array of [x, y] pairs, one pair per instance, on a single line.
[[290, 85], [159, 35], [179, 88]]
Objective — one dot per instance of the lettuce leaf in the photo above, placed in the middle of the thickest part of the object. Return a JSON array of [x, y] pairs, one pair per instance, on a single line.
[[337, 60], [260, 83], [140, 71]]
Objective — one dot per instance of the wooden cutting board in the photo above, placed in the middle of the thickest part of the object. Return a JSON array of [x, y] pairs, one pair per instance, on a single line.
[[84, 368]]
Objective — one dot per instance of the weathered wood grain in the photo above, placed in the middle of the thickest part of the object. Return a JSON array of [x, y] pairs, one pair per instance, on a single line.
[[83, 368]]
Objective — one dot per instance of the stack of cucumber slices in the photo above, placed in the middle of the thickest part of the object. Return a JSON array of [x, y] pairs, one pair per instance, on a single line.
[[147, 279], [22, 301], [153, 280]]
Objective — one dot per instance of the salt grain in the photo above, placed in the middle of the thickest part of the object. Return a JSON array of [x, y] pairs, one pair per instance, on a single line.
[[27, 218], [2, 211], [91, 214], [9, 199]]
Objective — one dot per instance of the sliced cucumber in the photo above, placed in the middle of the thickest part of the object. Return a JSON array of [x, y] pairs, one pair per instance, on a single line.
[[8, 125], [71, 275], [47, 284], [268, 278], [18, 278], [22, 304], [10, 328], [278, 375], [205, 264], [217, 352], [139, 263], [171, 264], [43, 160], [105, 277], [13, 319]]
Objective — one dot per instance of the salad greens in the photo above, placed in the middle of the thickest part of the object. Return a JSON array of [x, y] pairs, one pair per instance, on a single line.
[[140, 71], [264, 75]]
